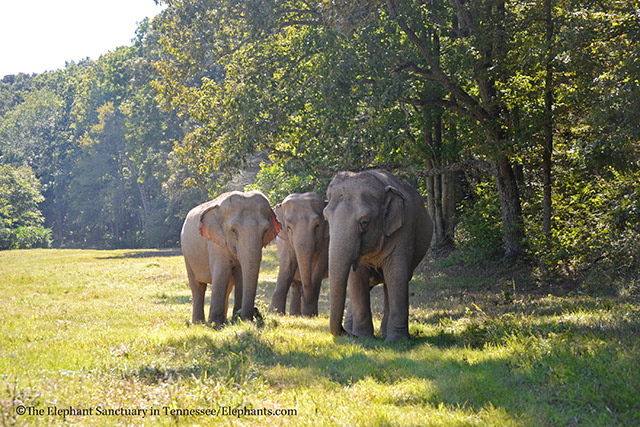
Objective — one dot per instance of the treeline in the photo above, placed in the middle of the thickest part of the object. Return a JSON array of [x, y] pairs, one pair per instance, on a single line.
[[100, 150], [519, 121]]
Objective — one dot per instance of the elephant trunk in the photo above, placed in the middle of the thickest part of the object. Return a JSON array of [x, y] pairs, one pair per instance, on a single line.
[[344, 247], [250, 257], [304, 249]]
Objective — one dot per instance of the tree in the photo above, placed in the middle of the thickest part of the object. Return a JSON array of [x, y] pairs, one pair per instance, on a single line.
[[20, 217], [35, 132], [326, 84], [99, 143]]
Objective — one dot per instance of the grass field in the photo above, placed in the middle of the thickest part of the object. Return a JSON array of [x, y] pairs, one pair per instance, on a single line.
[[103, 338]]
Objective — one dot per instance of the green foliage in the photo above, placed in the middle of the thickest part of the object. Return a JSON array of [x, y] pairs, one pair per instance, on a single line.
[[20, 216], [328, 86], [19, 197], [602, 47], [479, 232], [276, 183], [99, 142], [30, 133], [348, 85], [28, 237]]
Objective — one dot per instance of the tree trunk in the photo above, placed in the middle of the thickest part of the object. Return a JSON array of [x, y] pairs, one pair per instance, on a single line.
[[441, 186], [144, 198], [431, 201], [449, 206], [548, 126], [512, 225], [489, 112]]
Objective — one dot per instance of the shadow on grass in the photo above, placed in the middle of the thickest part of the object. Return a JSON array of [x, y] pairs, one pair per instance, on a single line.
[[153, 253], [432, 378], [173, 299], [551, 371]]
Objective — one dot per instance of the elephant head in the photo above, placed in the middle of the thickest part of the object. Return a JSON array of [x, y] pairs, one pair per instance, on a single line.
[[241, 224], [363, 212]]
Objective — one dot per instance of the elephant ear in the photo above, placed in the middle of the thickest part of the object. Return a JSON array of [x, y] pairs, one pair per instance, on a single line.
[[210, 227], [326, 223], [274, 229], [393, 210], [279, 210]]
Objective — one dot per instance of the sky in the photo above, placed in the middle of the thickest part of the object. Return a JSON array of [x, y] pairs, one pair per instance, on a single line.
[[43, 35]]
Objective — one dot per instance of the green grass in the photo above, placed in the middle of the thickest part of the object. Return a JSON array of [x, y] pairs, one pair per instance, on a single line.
[[97, 330]]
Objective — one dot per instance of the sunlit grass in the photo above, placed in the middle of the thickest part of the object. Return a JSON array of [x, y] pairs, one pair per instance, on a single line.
[[88, 329]]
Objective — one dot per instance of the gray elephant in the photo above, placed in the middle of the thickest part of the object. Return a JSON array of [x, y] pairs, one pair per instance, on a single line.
[[379, 232], [222, 243], [303, 246]]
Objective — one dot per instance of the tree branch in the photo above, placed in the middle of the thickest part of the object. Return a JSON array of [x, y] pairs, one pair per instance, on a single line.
[[474, 109], [439, 170], [290, 156]]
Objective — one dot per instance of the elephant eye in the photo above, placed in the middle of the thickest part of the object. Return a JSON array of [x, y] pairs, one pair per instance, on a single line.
[[364, 223]]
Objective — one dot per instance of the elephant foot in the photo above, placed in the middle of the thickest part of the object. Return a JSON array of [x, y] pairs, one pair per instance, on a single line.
[[363, 329], [398, 337], [256, 315], [274, 309], [216, 325], [361, 335], [216, 320], [342, 333], [236, 317]]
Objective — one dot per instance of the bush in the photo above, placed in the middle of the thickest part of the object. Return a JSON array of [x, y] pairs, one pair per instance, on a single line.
[[479, 232], [5, 238], [596, 230], [26, 237], [20, 217]]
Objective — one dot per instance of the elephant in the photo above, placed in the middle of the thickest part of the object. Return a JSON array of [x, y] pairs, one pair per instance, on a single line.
[[222, 243], [303, 247], [379, 232]]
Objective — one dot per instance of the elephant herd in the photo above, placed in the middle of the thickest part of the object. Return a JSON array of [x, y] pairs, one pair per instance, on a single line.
[[373, 229]]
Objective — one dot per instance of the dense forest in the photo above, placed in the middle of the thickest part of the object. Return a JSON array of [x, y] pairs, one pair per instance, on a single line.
[[519, 121]]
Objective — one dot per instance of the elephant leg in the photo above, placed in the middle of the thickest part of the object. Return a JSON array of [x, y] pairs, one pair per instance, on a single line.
[[198, 291], [286, 273], [220, 289], [385, 315], [397, 299], [348, 319], [296, 298], [311, 294], [237, 296], [360, 303]]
